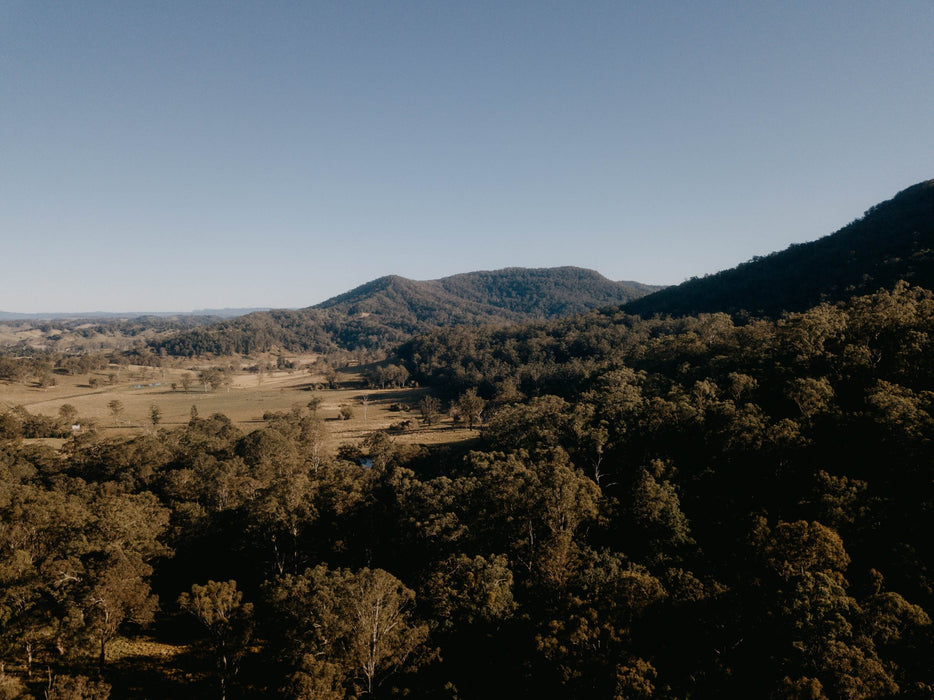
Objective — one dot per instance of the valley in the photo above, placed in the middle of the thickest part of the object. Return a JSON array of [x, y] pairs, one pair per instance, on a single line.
[[466, 351], [245, 397], [732, 501]]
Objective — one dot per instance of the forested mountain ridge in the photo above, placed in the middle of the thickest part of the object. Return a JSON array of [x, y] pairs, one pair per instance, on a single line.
[[527, 293], [893, 241], [389, 310]]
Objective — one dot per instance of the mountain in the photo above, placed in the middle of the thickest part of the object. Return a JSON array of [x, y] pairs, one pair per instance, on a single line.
[[541, 293], [386, 311], [893, 240]]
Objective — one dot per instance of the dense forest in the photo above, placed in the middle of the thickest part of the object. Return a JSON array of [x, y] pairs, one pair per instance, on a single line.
[[389, 310], [663, 508]]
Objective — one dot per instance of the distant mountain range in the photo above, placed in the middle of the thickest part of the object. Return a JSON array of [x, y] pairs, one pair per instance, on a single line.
[[107, 315], [894, 240], [388, 310]]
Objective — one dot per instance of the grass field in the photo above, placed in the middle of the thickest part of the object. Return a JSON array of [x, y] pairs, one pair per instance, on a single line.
[[245, 401]]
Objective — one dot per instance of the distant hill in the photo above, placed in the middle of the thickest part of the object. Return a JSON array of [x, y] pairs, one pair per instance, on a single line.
[[543, 293], [92, 334], [894, 240], [388, 310], [98, 315]]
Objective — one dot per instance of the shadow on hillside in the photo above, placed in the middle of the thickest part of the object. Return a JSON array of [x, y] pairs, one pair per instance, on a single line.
[[397, 395], [178, 676]]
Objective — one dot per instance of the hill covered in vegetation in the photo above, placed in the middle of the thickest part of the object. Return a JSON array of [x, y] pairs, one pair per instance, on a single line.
[[389, 310], [893, 241], [75, 335]]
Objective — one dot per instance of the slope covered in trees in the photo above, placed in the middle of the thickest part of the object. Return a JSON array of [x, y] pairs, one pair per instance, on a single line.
[[73, 335], [894, 240], [389, 310], [768, 484]]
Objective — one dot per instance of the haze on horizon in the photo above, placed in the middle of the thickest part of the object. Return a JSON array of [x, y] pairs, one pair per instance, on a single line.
[[206, 155]]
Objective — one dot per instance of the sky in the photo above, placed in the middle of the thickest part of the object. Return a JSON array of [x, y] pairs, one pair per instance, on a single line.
[[170, 156]]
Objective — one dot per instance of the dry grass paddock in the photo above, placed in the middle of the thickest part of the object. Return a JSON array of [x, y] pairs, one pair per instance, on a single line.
[[248, 397]]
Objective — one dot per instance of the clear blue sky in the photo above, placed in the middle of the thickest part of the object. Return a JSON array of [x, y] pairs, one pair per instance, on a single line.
[[178, 155]]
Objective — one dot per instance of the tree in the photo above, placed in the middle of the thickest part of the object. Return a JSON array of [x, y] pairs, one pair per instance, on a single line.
[[430, 407], [532, 508], [219, 607], [538, 425], [588, 643], [76, 688], [11, 687], [364, 401], [117, 592], [116, 408], [818, 620], [42, 534], [656, 512], [811, 396], [314, 404], [68, 414], [155, 415], [212, 377], [381, 637], [313, 436], [283, 506], [357, 624], [380, 449], [471, 407], [122, 540], [464, 590]]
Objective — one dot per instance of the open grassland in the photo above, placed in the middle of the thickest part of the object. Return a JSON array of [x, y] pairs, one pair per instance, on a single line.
[[245, 400]]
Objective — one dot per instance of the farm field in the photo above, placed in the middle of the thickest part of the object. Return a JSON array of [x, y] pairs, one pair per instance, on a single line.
[[245, 400]]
